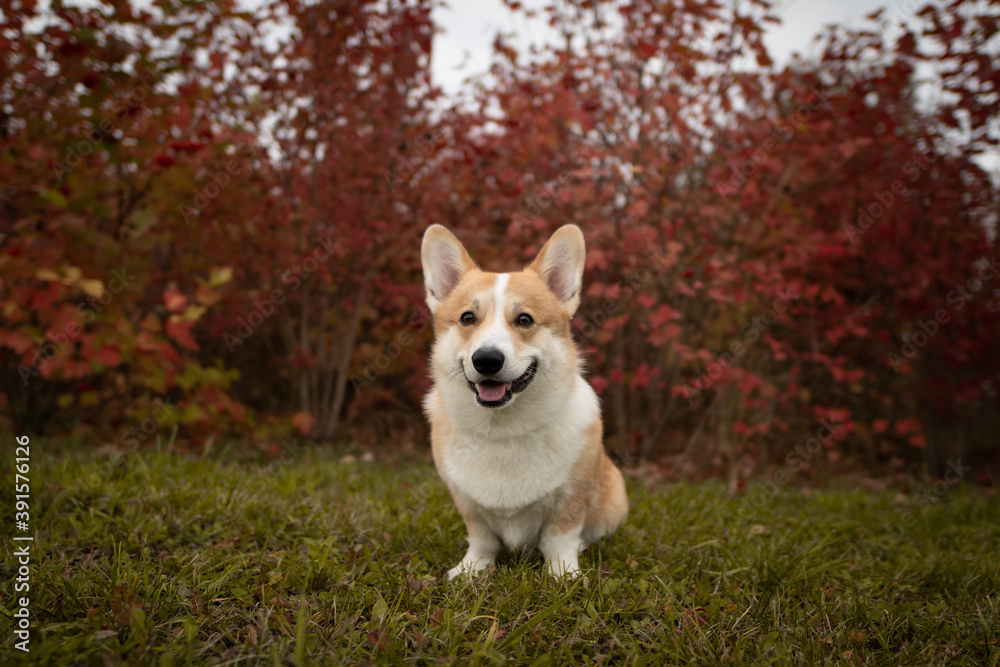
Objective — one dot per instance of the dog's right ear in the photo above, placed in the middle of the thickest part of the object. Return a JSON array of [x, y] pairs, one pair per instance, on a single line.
[[445, 261]]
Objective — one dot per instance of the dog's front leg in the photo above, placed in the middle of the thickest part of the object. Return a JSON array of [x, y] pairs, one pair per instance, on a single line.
[[483, 547], [561, 548]]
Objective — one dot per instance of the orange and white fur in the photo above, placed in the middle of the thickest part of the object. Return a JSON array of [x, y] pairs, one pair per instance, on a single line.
[[515, 428]]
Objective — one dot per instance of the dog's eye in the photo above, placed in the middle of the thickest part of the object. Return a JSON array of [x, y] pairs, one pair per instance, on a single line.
[[525, 320], [467, 318]]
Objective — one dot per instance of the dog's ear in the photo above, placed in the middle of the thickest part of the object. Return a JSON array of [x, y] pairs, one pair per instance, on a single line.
[[445, 261], [560, 264]]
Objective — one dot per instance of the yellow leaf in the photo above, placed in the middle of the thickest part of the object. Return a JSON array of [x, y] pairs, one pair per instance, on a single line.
[[193, 312], [72, 274], [92, 287], [206, 296], [142, 220], [220, 275], [48, 274], [191, 414]]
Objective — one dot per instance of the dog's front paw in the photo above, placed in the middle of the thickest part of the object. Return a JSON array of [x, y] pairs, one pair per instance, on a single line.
[[469, 568], [562, 552], [559, 567]]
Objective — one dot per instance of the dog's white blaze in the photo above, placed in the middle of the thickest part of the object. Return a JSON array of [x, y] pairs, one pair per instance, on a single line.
[[498, 335], [500, 293]]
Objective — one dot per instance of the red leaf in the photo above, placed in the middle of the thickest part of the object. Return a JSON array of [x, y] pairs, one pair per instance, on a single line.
[[642, 376], [16, 340], [180, 330], [911, 425], [186, 146], [174, 300], [663, 315], [645, 50], [41, 299], [109, 355], [303, 421]]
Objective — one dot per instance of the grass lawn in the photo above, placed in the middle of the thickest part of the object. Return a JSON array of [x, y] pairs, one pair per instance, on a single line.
[[166, 559]]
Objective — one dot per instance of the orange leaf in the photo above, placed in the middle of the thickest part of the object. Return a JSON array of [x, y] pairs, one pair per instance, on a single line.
[[109, 355], [16, 340], [174, 300], [180, 330], [150, 323], [303, 421], [207, 296]]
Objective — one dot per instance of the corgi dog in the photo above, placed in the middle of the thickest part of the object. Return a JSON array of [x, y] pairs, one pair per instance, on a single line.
[[516, 430]]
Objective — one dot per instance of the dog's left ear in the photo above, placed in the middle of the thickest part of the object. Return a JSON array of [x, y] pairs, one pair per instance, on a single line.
[[560, 264], [445, 261]]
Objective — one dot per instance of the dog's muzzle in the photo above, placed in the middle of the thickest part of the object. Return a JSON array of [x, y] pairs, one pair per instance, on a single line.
[[493, 394]]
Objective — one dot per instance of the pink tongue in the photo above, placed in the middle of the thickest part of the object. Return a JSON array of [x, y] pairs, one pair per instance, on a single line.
[[492, 391]]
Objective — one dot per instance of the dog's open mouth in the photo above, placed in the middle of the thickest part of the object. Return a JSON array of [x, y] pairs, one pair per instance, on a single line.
[[492, 394]]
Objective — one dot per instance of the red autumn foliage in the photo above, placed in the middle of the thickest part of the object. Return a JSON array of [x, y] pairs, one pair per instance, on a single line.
[[771, 248]]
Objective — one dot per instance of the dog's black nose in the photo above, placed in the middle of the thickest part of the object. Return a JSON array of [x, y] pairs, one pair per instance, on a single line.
[[487, 360]]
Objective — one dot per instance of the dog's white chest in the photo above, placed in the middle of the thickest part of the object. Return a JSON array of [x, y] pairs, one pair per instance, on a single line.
[[512, 472], [509, 476], [513, 485]]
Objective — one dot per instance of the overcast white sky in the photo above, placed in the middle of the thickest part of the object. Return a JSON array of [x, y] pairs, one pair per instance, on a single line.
[[469, 27]]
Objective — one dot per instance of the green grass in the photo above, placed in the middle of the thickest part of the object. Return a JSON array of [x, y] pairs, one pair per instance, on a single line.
[[164, 559]]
